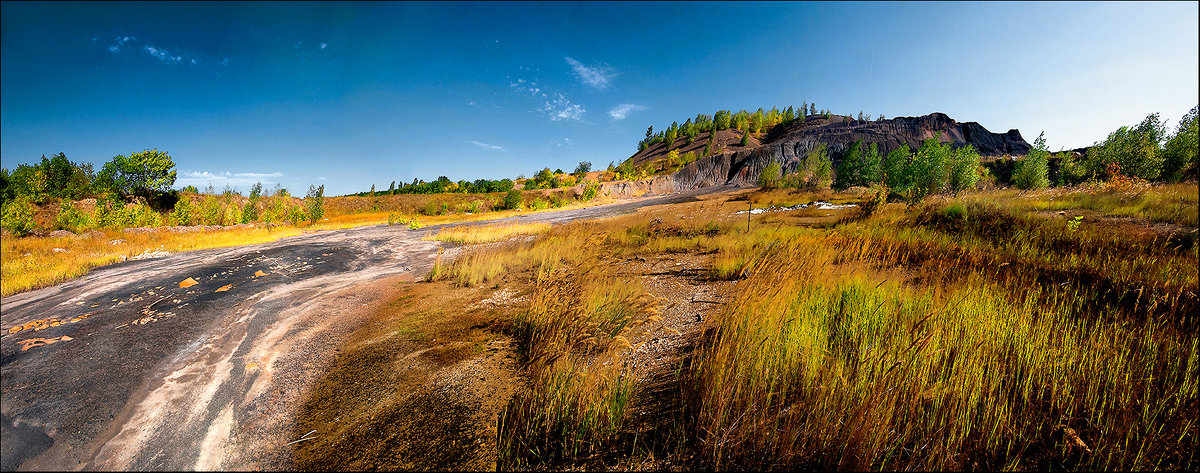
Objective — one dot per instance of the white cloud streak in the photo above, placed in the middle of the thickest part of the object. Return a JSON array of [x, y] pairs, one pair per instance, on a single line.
[[560, 108], [621, 111], [486, 145], [596, 77], [219, 180], [162, 55], [125, 43]]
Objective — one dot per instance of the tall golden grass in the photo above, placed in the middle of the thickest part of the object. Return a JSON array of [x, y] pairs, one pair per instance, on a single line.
[[955, 335], [35, 262]]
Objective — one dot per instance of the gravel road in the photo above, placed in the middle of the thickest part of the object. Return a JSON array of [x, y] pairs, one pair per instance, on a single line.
[[136, 368]]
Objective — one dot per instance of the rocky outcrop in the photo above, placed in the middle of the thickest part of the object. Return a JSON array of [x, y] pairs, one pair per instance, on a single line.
[[787, 145]]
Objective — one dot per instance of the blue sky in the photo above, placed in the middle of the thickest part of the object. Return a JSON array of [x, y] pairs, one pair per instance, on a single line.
[[350, 95]]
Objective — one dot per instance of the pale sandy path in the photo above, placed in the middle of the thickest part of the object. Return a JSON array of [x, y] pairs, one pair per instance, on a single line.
[[159, 377]]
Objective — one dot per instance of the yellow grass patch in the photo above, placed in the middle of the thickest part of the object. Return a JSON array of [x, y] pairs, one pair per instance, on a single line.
[[469, 235], [33, 262]]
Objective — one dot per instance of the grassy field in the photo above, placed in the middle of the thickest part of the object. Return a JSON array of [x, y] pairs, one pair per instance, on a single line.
[[984, 331]]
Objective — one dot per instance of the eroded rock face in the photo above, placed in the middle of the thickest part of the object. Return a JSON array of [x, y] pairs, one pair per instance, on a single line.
[[788, 146]]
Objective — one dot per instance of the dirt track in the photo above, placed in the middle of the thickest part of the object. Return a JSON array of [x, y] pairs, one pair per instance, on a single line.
[[145, 374]]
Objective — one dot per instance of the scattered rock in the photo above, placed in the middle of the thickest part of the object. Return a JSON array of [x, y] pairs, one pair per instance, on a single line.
[[61, 234]]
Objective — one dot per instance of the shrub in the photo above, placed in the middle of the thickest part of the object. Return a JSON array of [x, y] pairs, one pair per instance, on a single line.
[[70, 218], [930, 167], [769, 179], [314, 203], [211, 211], [1179, 154], [1033, 170], [590, 189], [17, 216], [512, 200], [963, 169], [858, 167], [538, 204], [183, 212], [895, 169], [815, 168], [1137, 150]]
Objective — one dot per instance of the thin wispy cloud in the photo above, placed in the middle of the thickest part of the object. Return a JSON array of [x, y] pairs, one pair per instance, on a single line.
[[163, 55], [560, 108], [202, 179], [554, 104], [130, 43], [597, 77], [621, 111], [119, 44], [523, 87], [486, 145]]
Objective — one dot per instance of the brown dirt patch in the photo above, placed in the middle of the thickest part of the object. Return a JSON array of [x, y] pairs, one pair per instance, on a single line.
[[419, 387]]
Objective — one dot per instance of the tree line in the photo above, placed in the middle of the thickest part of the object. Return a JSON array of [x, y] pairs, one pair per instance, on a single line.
[[1144, 152], [744, 121], [136, 191]]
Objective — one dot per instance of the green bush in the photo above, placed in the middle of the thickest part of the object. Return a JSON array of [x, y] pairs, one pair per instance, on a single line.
[[1137, 150], [512, 200], [769, 178], [589, 190], [17, 216], [211, 211], [71, 218], [538, 204], [183, 212], [314, 203], [931, 165], [895, 169], [1179, 160], [963, 172], [1033, 170]]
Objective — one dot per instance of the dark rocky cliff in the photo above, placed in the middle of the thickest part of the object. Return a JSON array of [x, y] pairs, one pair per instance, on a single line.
[[787, 145]]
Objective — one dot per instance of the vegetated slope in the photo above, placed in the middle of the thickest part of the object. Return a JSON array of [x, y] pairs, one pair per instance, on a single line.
[[788, 143]]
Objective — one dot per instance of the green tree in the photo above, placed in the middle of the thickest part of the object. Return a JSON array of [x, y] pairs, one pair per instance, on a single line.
[[896, 169], [144, 173], [183, 213], [17, 216], [815, 168], [250, 211], [858, 167], [1179, 154], [672, 134], [582, 169], [512, 199], [1138, 150], [745, 138], [769, 178], [1033, 171], [930, 166], [721, 120], [963, 172], [314, 203]]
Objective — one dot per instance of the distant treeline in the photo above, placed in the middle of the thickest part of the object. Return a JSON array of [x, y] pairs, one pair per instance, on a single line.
[[544, 179], [135, 191], [1145, 152], [742, 120]]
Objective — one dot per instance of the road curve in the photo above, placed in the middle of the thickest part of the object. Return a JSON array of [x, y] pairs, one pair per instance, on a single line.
[[131, 370]]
